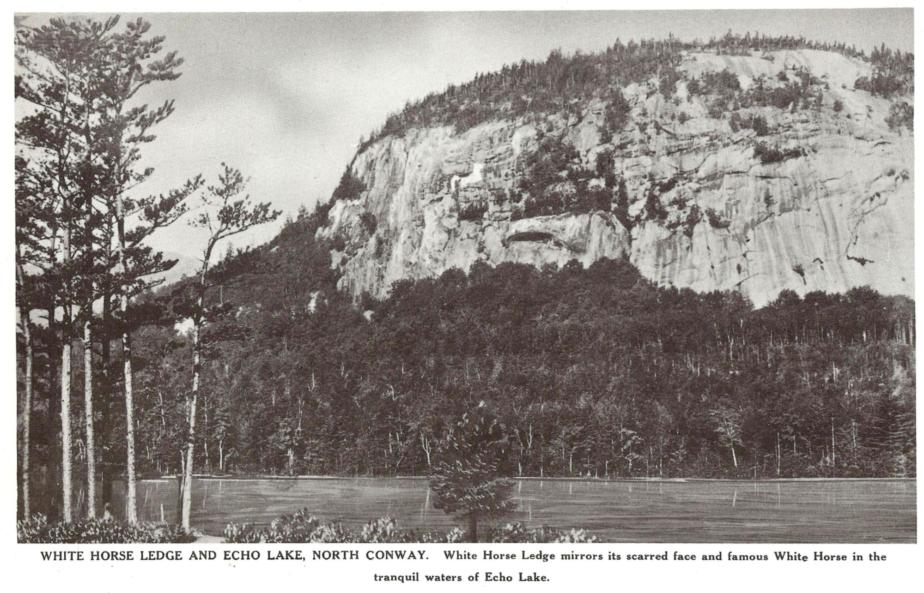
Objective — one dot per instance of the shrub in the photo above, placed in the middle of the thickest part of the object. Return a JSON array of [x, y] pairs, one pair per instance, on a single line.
[[668, 82], [900, 114], [716, 220], [654, 210], [717, 108], [349, 187], [754, 122], [517, 533], [473, 211], [37, 530], [724, 83], [242, 534], [297, 527], [692, 219], [884, 84], [369, 222], [616, 115], [769, 154], [621, 208], [300, 527], [575, 536], [556, 184]]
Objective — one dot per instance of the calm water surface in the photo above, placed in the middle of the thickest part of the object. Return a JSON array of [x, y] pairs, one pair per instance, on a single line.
[[830, 511]]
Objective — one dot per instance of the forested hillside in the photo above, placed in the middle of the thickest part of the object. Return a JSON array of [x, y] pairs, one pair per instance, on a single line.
[[593, 372]]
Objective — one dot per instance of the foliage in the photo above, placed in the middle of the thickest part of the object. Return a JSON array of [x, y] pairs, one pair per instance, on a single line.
[[654, 209], [723, 83], [901, 113], [534, 88], [466, 480], [616, 115], [555, 182], [300, 527], [754, 122], [517, 533], [38, 530], [893, 73], [589, 371], [473, 211], [716, 221], [804, 93], [771, 154], [693, 217], [80, 134], [349, 187]]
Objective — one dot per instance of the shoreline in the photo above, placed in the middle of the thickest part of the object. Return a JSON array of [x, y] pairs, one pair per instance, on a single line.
[[256, 477]]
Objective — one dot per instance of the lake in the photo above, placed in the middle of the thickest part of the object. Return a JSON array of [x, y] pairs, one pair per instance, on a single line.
[[699, 511]]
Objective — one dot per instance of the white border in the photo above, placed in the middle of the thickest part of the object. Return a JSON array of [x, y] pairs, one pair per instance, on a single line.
[[25, 569]]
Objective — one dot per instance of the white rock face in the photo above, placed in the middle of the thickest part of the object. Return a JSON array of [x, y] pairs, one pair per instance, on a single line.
[[839, 216]]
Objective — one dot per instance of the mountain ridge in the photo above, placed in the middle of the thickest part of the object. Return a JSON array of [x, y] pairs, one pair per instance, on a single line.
[[749, 170]]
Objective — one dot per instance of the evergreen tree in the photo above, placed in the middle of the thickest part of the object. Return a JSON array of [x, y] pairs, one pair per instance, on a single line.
[[225, 211], [466, 481]]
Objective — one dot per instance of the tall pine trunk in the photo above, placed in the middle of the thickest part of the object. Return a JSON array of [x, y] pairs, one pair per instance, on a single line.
[[26, 418], [131, 509], [193, 396], [88, 415], [88, 286], [66, 345], [191, 437], [24, 312], [66, 514], [54, 404], [105, 474]]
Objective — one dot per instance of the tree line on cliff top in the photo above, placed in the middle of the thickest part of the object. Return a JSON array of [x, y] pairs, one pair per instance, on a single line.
[[560, 82]]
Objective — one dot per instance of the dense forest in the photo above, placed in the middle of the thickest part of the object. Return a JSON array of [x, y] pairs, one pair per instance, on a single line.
[[592, 372]]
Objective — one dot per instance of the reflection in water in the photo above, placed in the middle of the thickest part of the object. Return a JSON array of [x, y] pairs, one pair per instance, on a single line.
[[801, 511], [426, 506]]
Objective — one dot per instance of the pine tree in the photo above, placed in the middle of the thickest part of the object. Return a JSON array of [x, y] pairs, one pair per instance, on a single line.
[[82, 136], [130, 65], [225, 211], [466, 479]]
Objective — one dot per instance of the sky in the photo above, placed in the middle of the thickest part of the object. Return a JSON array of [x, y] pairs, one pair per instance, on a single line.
[[285, 97]]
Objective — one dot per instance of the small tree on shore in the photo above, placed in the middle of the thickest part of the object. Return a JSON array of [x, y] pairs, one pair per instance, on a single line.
[[225, 211], [727, 423], [466, 480]]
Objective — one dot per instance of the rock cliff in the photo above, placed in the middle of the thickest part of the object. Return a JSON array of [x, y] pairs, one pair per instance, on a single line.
[[748, 194]]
